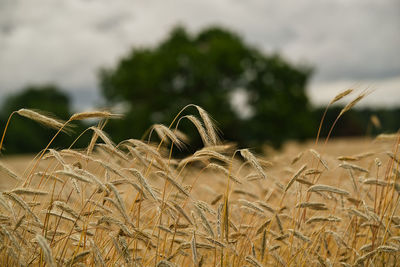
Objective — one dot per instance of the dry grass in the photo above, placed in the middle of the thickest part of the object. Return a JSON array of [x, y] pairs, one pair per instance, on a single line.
[[133, 205]]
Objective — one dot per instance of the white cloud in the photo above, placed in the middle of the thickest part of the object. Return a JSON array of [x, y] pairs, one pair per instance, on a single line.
[[66, 42], [384, 93]]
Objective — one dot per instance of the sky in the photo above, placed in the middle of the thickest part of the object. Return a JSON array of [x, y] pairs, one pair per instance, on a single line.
[[350, 43]]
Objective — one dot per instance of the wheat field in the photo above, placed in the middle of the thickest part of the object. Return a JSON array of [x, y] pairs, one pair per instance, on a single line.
[[133, 204]]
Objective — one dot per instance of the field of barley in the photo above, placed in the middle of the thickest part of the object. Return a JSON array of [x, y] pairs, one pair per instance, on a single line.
[[133, 204]]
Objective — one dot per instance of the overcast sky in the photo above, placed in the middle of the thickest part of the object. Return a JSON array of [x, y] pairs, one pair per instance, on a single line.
[[351, 43]]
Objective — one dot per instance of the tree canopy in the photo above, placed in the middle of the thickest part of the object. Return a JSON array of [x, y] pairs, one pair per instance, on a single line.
[[207, 69]]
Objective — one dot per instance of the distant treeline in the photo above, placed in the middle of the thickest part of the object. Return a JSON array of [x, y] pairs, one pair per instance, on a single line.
[[360, 121], [25, 136]]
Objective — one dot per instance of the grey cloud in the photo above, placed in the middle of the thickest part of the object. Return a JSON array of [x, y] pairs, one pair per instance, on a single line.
[[112, 22], [67, 41]]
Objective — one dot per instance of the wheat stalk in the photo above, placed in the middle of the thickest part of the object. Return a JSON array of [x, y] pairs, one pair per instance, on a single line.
[[210, 127], [253, 161], [353, 102], [46, 250], [143, 182], [93, 115], [41, 118], [9, 172], [28, 191], [302, 168], [327, 188]]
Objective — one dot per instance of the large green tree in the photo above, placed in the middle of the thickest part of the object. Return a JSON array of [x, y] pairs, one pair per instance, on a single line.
[[24, 135], [207, 69]]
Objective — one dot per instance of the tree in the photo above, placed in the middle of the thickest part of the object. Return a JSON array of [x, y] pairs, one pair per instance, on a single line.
[[26, 136], [207, 69]]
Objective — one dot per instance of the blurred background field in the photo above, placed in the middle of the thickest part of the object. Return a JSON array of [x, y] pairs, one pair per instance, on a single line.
[[20, 164]]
